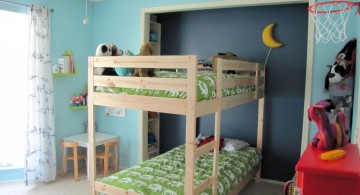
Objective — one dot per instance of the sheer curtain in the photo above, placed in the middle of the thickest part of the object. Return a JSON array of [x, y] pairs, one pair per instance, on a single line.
[[40, 159]]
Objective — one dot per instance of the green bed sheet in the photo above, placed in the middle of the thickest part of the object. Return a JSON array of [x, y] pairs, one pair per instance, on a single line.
[[205, 86], [164, 174]]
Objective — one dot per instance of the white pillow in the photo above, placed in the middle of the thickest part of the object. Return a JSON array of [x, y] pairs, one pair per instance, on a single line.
[[234, 144]]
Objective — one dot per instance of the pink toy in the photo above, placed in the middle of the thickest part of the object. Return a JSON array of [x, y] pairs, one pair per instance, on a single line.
[[330, 135], [78, 100]]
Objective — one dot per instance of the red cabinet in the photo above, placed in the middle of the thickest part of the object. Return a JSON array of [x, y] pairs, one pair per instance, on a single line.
[[337, 177]]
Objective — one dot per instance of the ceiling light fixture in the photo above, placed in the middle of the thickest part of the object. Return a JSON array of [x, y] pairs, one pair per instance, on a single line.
[[86, 20]]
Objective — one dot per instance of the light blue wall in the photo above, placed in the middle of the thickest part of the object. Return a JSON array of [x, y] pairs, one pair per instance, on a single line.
[[119, 21], [357, 81]]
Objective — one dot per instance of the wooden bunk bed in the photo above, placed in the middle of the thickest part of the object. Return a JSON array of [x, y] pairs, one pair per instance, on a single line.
[[189, 106]]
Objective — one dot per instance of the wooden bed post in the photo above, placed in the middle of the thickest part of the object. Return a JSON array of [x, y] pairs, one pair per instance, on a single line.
[[260, 72], [218, 86], [260, 132], [91, 129], [190, 127]]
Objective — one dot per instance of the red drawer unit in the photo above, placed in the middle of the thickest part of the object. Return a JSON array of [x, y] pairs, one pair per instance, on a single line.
[[336, 177]]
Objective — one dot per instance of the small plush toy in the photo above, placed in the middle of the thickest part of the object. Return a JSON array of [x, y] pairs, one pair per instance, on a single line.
[[328, 105], [330, 135], [107, 50], [125, 71], [77, 100], [204, 64], [102, 50], [344, 64], [115, 51], [339, 70], [145, 50]]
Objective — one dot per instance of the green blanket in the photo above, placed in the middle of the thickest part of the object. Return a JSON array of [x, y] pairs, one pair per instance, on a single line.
[[205, 87], [164, 174]]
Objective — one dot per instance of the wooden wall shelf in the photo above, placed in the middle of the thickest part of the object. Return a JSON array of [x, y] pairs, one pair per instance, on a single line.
[[78, 107], [66, 74]]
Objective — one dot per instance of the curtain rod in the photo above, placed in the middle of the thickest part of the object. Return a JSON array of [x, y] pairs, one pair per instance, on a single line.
[[20, 4]]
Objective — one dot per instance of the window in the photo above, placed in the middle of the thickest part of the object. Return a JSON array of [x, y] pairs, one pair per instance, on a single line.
[[13, 86]]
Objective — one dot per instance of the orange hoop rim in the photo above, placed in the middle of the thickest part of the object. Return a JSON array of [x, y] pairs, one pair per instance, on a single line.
[[347, 8]]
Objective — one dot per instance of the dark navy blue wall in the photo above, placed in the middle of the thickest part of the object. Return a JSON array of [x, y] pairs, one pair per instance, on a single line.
[[205, 33]]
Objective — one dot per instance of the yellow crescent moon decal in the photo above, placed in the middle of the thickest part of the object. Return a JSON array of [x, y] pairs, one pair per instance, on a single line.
[[268, 38]]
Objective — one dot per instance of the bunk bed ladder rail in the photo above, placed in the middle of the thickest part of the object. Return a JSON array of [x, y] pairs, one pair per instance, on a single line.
[[191, 152], [260, 94]]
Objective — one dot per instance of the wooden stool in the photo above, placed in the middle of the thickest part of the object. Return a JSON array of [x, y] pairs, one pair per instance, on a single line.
[[69, 151], [107, 153]]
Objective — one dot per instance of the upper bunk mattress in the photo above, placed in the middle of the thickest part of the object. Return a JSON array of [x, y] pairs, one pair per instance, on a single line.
[[205, 86], [165, 173]]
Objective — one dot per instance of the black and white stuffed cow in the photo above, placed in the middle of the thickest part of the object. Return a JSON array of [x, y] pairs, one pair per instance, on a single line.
[[343, 65], [107, 50]]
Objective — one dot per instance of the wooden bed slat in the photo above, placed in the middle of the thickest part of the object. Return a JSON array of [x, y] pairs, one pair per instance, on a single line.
[[235, 100], [237, 82], [237, 65], [170, 62], [205, 107], [108, 189], [141, 82], [155, 104], [168, 105]]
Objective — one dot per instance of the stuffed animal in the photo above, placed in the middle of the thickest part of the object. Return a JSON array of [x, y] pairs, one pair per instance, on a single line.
[[344, 64], [77, 100], [107, 50], [328, 105], [125, 71], [102, 50], [204, 64], [115, 51], [330, 135], [145, 50]]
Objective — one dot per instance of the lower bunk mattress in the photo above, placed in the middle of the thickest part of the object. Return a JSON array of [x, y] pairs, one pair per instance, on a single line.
[[165, 173], [205, 86]]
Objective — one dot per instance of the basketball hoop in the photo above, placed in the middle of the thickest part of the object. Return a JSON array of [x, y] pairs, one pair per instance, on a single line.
[[330, 20]]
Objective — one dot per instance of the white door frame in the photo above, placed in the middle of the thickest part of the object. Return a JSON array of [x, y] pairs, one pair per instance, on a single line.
[[144, 32]]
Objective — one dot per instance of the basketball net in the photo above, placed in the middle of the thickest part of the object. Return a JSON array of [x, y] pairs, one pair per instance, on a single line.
[[330, 20]]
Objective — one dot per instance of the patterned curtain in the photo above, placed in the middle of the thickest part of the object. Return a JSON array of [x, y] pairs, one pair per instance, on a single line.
[[40, 159]]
